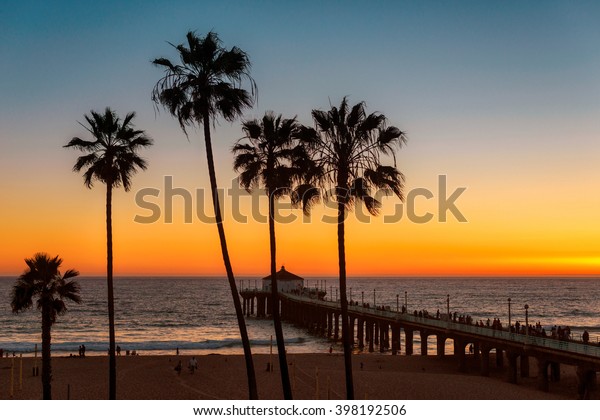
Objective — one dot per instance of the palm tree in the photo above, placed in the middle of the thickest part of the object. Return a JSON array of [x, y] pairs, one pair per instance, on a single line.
[[268, 159], [111, 158], [207, 84], [43, 280], [348, 145]]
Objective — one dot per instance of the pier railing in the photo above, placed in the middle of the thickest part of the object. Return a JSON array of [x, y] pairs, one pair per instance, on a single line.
[[529, 340]]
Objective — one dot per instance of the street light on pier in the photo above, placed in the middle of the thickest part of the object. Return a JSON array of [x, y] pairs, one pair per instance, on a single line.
[[362, 298], [374, 301], [351, 294], [397, 303], [448, 305], [527, 321], [406, 300], [509, 324]]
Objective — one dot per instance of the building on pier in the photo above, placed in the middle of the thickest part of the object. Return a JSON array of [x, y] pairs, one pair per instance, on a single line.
[[287, 282]]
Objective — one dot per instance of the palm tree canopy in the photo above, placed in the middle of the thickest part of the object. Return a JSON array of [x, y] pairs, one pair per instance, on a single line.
[[111, 157], [348, 146], [270, 156], [43, 279], [208, 80]]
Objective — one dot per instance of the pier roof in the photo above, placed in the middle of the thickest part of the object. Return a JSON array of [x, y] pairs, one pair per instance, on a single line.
[[283, 274]]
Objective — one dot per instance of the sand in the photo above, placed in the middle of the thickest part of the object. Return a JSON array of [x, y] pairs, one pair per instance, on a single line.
[[223, 377]]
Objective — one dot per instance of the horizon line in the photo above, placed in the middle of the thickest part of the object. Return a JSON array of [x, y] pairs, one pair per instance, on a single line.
[[328, 276]]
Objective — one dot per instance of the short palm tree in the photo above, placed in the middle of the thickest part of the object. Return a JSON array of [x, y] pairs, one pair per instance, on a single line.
[[348, 146], [43, 281], [267, 159], [111, 158], [206, 85]]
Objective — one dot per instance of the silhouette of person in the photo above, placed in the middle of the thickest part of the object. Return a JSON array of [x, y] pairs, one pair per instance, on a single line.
[[193, 365]]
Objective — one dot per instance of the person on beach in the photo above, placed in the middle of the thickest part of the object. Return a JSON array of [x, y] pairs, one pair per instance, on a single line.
[[193, 365], [178, 368], [118, 350], [586, 337]]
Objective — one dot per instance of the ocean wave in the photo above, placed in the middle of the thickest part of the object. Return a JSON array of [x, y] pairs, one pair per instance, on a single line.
[[102, 347]]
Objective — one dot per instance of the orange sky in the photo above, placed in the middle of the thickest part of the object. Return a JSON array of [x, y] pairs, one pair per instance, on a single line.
[[528, 234]]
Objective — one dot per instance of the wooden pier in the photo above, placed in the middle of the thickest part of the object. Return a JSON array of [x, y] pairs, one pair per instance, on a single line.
[[383, 329]]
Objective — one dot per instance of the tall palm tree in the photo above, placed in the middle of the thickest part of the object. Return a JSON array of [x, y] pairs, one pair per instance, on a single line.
[[111, 158], [205, 85], [348, 145], [268, 159], [43, 280]]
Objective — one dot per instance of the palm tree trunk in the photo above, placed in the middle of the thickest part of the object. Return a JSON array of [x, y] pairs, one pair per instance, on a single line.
[[252, 390], [346, 339], [112, 360], [46, 359], [283, 367]]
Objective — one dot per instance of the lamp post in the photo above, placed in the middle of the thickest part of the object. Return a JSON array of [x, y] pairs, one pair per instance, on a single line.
[[336, 298], [331, 293], [527, 321], [351, 294], [509, 324], [448, 305], [362, 298], [406, 301], [374, 301]]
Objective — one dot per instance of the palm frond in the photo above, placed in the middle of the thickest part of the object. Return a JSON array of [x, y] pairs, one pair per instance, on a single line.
[[387, 178], [208, 80], [306, 196], [113, 159], [42, 279], [346, 145]]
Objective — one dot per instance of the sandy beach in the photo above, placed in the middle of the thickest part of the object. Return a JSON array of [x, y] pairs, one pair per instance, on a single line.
[[223, 377]]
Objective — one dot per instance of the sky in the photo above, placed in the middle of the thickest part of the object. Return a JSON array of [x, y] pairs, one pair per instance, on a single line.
[[500, 99]]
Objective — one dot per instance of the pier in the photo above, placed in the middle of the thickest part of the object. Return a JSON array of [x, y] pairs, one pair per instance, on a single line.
[[383, 330]]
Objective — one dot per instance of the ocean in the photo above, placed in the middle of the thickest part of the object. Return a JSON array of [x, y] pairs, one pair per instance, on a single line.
[[156, 315]]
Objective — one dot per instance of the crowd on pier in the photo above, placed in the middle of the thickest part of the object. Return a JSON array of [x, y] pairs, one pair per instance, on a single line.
[[556, 332]]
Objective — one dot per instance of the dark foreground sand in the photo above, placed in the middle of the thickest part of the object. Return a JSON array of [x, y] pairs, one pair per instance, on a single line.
[[224, 377]]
